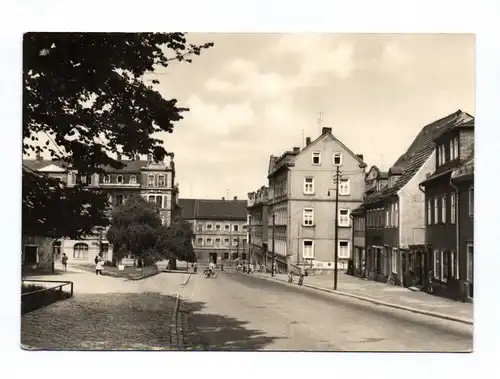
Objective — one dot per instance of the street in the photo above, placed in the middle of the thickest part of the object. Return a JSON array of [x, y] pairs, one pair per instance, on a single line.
[[242, 312]]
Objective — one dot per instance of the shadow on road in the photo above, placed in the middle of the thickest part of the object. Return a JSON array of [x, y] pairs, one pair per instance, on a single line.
[[222, 333]]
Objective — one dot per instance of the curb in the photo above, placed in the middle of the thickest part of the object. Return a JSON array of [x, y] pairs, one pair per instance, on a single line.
[[142, 277], [383, 303], [187, 280]]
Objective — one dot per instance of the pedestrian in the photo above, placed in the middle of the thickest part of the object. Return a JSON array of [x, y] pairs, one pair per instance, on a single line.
[[98, 265], [195, 267], [64, 261]]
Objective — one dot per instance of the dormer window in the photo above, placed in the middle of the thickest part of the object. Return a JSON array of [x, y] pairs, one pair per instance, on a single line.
[[151, 180], [133, 179], [119, 179], [316, 158], [106, 178], [441, 155], [454, 148], [337, 159]]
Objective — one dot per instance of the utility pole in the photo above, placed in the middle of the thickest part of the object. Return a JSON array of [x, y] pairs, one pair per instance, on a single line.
[[272, 261], [230, 243], [249, 237], [337, 182]]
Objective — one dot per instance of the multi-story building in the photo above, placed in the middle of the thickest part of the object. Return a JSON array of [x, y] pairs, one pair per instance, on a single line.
[[154, 181], [220, 228], [453, 149], [302, 201], [395, 214], [258, 226]]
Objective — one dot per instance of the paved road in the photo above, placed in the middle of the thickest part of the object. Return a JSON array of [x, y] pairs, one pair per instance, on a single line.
[[242, 312]]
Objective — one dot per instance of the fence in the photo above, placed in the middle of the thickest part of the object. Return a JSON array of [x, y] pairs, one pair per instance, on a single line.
[[33, 300]]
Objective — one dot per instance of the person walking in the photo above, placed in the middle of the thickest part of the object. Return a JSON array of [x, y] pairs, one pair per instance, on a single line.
[[98, 265], [64, 261]]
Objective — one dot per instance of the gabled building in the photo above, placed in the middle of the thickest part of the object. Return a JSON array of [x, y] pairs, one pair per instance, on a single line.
[[258, 227], [154, 181], [453, 149], [302, 200], [395, 215], [220, 228]]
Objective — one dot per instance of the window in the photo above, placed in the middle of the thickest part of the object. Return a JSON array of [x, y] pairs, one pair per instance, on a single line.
[[436, 210], [309, 186], [235, 228], [337, 159], [119, 178], [104, 251], [245, 227], [151, 198], [308, 217], [344, 249], [226, 241], [244, 241], [209, 241], [454, 265], [217, 242], [470, 263], [453, 208], [199, 241], [344, 217], [151, 180], [444, 266], [83, 179], [441, 155], [162, 218], [471, 202], [308, 249], [217, 227], [227, 227], [133, 179], [429, 212], [394, 260], [454, 148], [443, 209], [236, 241], [316, 158], [209, 226], [387, 218], [437, 264], [161, 180], [345, 187], [80, 250], [159, 200], [226, 256], [396, 215], [106, 178], [200, 227], [119, 200]]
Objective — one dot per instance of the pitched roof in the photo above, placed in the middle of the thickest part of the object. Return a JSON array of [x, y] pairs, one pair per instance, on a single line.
[[419, 151], [213, 209], [130, 166], [465, 169]]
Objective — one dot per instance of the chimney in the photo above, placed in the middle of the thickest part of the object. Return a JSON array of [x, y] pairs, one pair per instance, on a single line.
[[118, 157], [326, 130], [360, 156], [38, 156], [296, 149], [308, 141], [235, 198]]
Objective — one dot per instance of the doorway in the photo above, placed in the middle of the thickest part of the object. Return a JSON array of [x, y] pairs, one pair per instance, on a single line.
[[212, 257], [30, 254]]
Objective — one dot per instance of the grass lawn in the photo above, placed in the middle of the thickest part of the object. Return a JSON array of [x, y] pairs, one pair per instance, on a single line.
[[128, 272]]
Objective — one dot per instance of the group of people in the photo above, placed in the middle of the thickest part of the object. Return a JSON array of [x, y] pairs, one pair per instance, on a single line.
[[99, 263]]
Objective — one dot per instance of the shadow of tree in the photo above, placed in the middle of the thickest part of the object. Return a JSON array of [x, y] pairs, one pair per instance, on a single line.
[[222, 333]]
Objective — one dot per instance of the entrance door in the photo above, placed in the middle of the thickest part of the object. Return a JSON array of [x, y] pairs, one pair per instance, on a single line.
[[30, 253], [212, 257]]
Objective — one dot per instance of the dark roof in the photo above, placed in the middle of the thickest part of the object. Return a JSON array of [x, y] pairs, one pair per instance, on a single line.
[[419, 151], [359, 210], [213, 209], [464, 170], [130, 166]]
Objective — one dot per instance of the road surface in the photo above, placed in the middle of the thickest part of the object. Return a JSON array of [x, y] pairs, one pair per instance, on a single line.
[[241, 312]]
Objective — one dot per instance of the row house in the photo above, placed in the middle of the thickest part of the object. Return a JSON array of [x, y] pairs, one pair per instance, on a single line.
[[152, 180], [449, 211], [258, 226], [395, 214], [302, 185], [220, 228]]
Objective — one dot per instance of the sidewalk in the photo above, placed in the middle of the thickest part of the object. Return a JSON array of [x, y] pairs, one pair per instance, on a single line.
[[391, 295]]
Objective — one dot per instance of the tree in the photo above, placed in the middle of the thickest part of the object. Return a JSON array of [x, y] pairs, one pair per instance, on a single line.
[[175, 242], [134, 228], [85, 92]]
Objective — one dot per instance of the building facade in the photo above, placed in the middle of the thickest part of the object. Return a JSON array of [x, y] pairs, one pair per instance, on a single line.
[[302, 185], [154, 181], [395, 214], [258, 218], [220, 228]]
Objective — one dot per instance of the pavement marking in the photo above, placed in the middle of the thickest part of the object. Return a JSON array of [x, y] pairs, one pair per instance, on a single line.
[[378, 302]]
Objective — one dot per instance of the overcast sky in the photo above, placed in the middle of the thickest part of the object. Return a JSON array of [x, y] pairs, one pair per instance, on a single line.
[[253, 95]]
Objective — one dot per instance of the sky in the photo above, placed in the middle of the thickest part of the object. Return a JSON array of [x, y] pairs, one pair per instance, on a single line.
[[253, 95]]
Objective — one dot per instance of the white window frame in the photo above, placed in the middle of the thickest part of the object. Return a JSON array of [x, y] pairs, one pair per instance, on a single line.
[[308, 184], [119, 179], [436, 270], [200, 227], [443, 209], [133, 179], [345, 187], [161, 176], [452, 149], [235, 228], [309, 251], [106, 179], [337, 155], [347, 249], [227, 227], [162, 220], [199, 241], [396, 214], [453, 207], [218, 227], [151, 183], [210, 241], [443, 271], [470, 251], [436, 210], [314, 155], [340, 215], [455, 146], [218, 243], [235, 241], [226, 241], [394, 260], [208, 226], [387, 218], [308, 217]]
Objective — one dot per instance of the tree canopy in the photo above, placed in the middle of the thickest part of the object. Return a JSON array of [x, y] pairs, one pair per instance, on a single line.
[[86, 94], [176, 241]]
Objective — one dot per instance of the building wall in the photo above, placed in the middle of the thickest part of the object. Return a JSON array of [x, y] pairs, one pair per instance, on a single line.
[[92, 243], [412, 207], [466, 144], [466, 226], [44, 256]]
